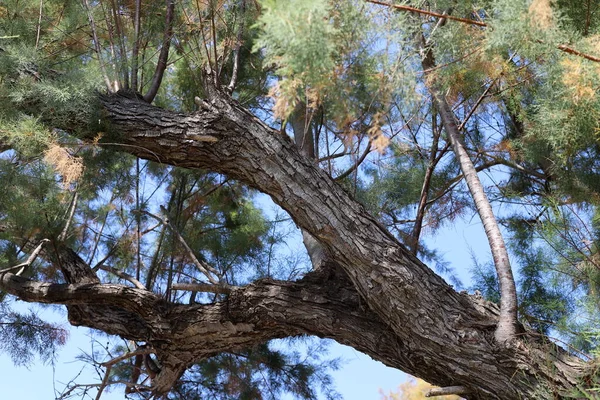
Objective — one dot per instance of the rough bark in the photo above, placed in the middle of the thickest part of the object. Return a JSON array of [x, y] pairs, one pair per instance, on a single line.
[[393, 307]]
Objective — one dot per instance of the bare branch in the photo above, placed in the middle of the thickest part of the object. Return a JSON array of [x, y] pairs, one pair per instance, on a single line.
[[141, 350], [97, 45], [561, 47], [21, 267], [63, 234], [202, 267], [447, 391], [430, 13], [39, 26], [356, 164], [123, 275], [236, 50], [136, 46]]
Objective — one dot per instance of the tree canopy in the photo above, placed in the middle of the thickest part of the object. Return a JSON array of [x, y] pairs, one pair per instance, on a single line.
[[135, 138]]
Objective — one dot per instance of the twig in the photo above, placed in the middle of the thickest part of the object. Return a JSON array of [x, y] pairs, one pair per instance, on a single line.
[[356, 164], [136, 46], [29, 260], [39, 27], [418, 226], [571, 50], [447, 391], [122, 47], [92, 385], [104, 382], [430, 13], [476, 105], [236, 50]]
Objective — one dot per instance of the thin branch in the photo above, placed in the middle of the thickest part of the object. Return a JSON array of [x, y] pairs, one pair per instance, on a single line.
[[561, 47], [136, 46], [104, 382], [73, 206], [508, 163], [236, 50], [122, 48], [477, 104], [332, 157], [571, 50], [217, 71], [21, 267], [141, 350], [92, 385], [138, 218], [202, 267], [97, 45], [356, 164], [588, 16], [445, 391], [39, 26], [430, 13], [161, 65], [122, 275], [416, 232], [111, 45]]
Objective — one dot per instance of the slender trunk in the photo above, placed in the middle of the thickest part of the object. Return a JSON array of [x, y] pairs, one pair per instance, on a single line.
[[97, 47], [237, 48], [304, 140], [433, 161], [122, 47], [163, 57], [136, 45], [508, 324]]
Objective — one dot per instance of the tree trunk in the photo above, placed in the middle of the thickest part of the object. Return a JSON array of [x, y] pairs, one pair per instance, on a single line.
[[508, 325], [305, 142], [414, 320]]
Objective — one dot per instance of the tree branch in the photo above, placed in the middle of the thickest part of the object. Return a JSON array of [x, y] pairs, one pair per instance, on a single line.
[[21, 267], [561, 47], [202, 267], [450, 390], [123, 275]]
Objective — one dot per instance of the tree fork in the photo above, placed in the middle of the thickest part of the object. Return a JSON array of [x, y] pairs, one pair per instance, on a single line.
[[430, 330], [414, 301]]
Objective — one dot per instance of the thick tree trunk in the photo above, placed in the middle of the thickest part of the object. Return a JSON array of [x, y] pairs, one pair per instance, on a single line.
[[414, 320]]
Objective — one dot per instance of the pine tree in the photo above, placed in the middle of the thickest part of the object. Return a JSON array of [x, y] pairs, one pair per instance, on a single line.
[[134, 136]]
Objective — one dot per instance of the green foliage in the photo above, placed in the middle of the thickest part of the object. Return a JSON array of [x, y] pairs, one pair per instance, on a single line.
[[25, 335], [229, 376], [298, 38]]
